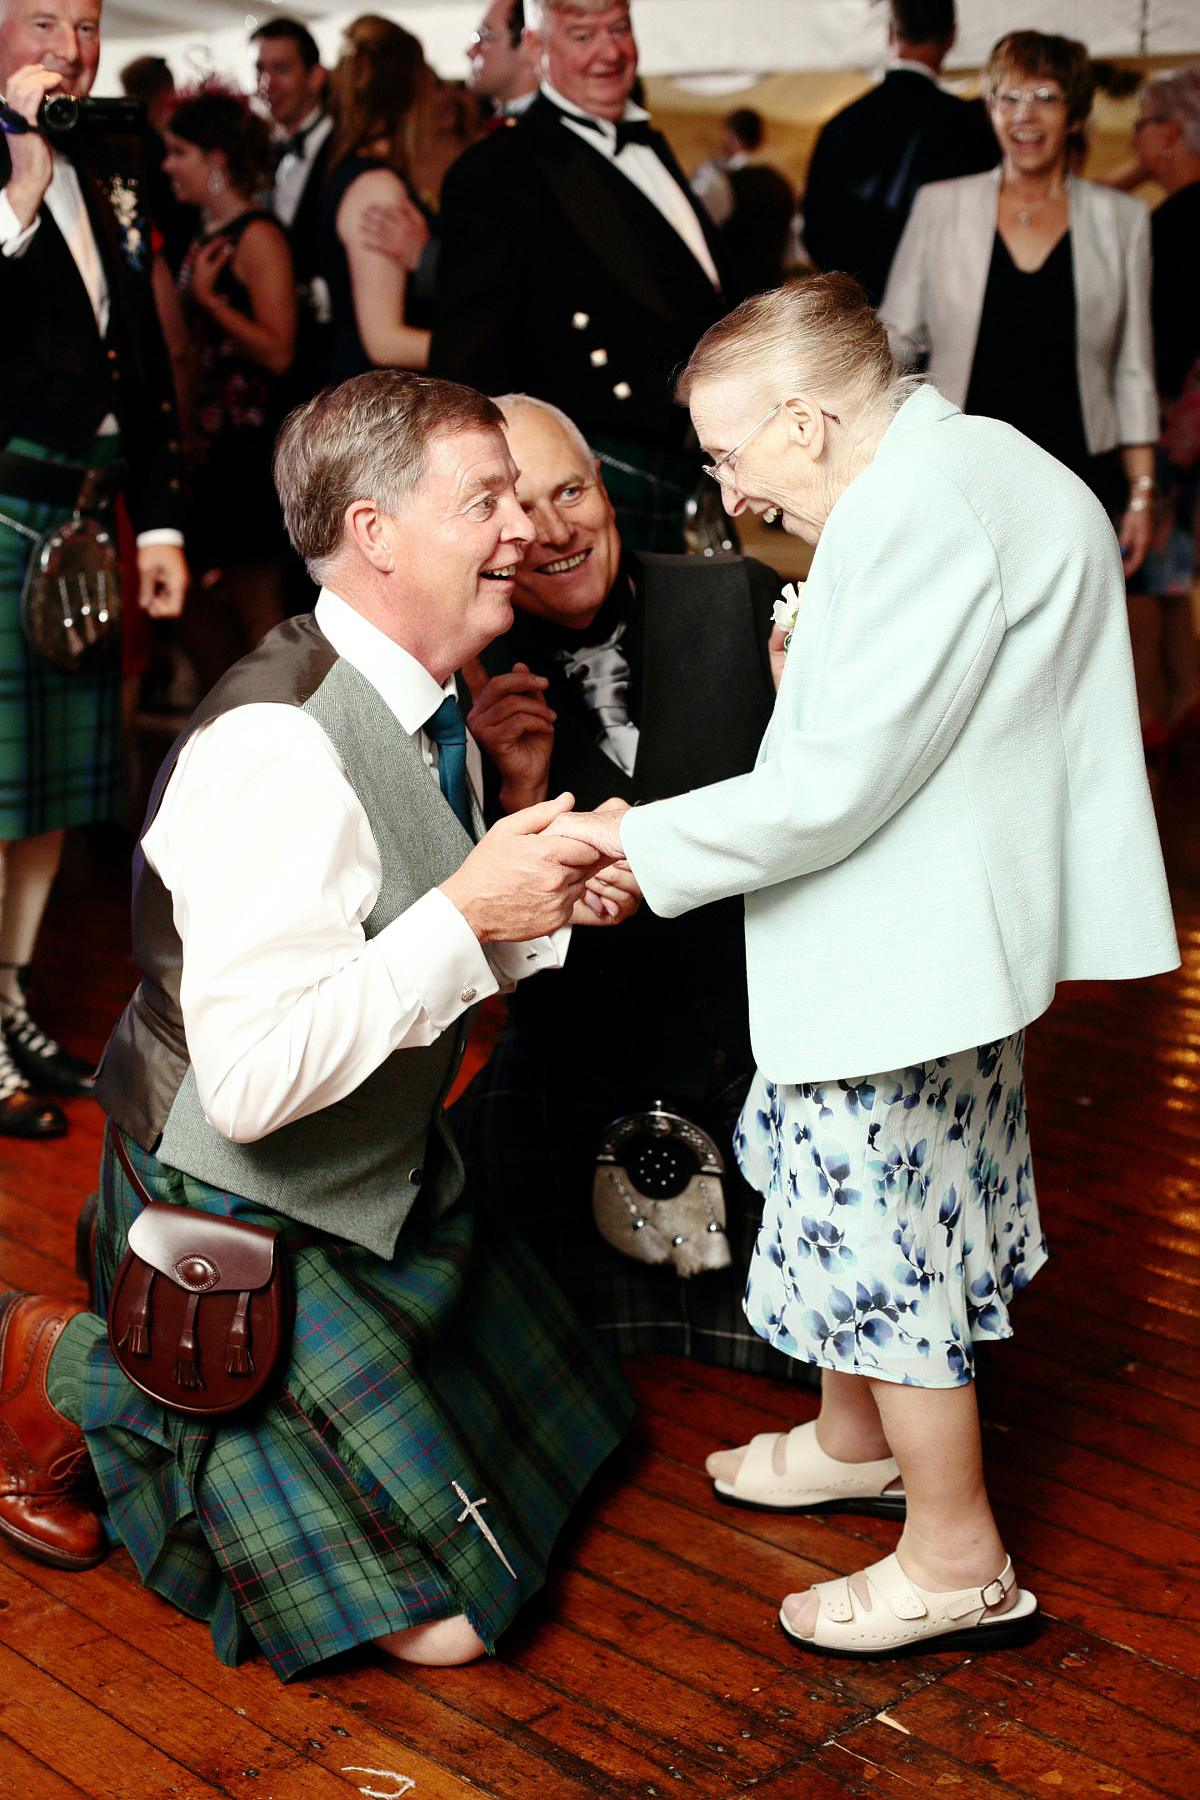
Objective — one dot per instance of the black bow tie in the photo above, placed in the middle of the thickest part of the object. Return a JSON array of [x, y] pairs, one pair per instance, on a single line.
[[634, 131], [294, 146]]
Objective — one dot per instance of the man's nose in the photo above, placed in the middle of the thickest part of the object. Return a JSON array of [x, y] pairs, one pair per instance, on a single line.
[[552, 528], [518, 526], [65, 51]]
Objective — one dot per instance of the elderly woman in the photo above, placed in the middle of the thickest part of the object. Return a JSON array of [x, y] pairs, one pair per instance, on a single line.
[[949, 814], [1029, 289]]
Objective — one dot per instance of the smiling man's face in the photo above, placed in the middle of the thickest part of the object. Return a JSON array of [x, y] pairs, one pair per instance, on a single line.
[[569, 570]]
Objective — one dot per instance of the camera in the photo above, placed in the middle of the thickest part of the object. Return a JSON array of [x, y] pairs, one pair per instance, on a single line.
[[60, 115]]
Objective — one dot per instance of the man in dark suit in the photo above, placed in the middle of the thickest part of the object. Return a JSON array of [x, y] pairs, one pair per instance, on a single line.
[[652, 674], [871, 158], [576, 265], [86, 407]]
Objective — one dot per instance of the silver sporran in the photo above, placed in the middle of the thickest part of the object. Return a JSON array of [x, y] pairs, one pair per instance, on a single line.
[[658, 1195], [71, 601]]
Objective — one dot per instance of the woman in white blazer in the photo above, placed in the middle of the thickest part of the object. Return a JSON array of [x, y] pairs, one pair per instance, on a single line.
[[1028, 290], [949, 814]]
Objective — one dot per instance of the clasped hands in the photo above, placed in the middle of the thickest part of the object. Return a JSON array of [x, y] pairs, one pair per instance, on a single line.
[[540, 867]]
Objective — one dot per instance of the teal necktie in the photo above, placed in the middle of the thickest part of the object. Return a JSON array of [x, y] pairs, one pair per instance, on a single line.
[[448, 730]]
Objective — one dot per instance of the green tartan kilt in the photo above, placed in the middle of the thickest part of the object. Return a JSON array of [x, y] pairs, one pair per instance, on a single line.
[[329, 1516], [60, 731], [649, 487]]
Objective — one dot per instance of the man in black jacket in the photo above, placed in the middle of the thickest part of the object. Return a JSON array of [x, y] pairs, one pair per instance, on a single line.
[[86, 407], [871, 158], [576, 265], [652, 674]]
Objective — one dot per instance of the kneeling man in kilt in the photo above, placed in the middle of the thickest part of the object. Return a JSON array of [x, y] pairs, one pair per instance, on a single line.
[[317, 913]]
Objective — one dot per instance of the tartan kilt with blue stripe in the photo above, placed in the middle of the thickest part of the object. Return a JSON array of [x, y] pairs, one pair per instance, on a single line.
[[328, 1516], [60, 730]]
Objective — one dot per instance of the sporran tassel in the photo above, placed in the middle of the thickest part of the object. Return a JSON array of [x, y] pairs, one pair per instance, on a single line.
[[187, 1354], [238, 1360], [137, 1332]]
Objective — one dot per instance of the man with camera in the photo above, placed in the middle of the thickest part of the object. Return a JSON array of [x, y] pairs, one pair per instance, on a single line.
[[86, 410]]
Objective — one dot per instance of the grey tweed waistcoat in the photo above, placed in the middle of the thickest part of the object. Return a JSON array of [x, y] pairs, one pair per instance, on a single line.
[[354, 1168]]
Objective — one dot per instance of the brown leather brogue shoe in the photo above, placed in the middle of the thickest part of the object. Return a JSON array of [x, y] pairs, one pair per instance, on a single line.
[[43, 1457]]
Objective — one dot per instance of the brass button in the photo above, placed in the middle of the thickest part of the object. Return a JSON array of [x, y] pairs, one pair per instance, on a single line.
[[581, 320], [172, 483], [112, 356], [599, 358], [622, 390], [467, 995]]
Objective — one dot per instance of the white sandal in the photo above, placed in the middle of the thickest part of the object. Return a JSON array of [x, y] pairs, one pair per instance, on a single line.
[[904, 1617], [811, 1481]]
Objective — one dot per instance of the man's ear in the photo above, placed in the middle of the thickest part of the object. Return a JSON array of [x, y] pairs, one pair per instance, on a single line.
[[535, 43], [366, 528]]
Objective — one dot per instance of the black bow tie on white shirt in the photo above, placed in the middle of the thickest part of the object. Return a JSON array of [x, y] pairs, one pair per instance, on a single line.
[[294, 146], [634, 131]]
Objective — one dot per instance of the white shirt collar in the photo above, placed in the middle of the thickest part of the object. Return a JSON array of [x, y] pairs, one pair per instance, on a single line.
[[897, 63], [307, 123], [604, 126], [398, 678]]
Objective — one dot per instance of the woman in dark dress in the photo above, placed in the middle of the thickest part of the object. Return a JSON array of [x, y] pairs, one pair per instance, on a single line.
[[380, 91], [238, 293]]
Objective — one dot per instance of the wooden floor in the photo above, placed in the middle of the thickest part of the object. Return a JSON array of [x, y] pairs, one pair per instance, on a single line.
[[652, 1664]]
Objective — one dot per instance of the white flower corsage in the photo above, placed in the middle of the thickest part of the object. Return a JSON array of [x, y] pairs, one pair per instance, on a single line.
[[786, 608]]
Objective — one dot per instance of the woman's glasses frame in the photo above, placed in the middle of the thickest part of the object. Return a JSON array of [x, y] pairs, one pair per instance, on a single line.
[[1042, 99], [725, 468]]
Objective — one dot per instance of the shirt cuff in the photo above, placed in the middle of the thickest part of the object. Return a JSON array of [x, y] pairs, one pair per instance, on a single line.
[[513, 962], [162, 534], [14, 237], [431, 951]]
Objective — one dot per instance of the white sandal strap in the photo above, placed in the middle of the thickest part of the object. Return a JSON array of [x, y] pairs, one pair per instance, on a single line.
[[757, 1472], [892, 1592], [809, 1474]]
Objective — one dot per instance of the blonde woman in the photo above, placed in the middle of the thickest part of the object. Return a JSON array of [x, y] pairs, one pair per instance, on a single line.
[[949, 814], [1028, 289]]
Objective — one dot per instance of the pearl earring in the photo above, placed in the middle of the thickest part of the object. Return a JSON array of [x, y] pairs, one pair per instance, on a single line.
[[216, 182]]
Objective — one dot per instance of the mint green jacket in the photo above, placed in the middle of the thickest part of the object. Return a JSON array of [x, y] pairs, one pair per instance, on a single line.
[[949, 813]]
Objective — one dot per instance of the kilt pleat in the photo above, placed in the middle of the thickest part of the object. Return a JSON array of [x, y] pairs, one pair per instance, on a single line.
[[331, 1516]]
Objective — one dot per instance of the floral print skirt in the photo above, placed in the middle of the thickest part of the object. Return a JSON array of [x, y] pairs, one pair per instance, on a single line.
[[900, 1215]]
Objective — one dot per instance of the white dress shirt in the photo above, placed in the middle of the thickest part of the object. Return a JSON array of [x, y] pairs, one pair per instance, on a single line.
[[64, 201], [291, 177], [272, 868], [640, 165]]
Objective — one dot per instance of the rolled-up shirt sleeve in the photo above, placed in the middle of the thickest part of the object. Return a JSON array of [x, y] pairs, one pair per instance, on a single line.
[[272, 868]]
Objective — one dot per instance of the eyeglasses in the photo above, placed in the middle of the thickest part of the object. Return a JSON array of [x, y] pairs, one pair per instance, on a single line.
[[478, 39], [723, 469], [1044, 99]]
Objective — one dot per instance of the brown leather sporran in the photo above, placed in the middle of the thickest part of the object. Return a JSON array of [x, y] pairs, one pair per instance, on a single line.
[[201, 1312]]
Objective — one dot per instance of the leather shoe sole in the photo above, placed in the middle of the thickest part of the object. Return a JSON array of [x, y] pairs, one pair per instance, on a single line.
[[37, 1551], [23, 1115]]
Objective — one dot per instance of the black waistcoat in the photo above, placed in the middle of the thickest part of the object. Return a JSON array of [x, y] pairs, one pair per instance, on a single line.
[[659, 1003]]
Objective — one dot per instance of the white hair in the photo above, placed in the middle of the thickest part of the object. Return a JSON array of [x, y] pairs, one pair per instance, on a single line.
[[537, 12], [508, 403], [1177, 97]]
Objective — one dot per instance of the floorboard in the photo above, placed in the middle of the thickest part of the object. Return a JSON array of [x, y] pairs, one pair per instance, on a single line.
[[652, 1664]]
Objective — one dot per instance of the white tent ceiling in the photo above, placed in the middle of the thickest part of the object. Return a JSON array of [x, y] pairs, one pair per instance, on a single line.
[[677, 37]]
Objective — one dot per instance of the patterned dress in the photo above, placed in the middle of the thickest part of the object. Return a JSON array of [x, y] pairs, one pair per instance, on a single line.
[[900, 1215]]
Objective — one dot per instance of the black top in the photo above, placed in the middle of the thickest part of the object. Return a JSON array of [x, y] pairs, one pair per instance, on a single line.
[[58, 377], [755, 235], [1025, 369], [871, 158], [586, 296], [657, 1000], [348, 356], [1175, 294]]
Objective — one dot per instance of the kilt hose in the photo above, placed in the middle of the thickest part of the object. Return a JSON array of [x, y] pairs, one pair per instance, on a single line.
[[329, 1516], [649, 487], [528, 1127], [60, 731]]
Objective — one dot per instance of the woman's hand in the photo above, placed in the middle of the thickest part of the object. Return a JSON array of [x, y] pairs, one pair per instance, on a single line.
[[1135, 536], [398, 231], [602, 829], [777, 653], [609, 898], [512, 722], [205, 270]]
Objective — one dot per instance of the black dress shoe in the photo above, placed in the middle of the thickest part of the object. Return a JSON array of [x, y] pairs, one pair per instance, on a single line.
[[46, 1065], [23, 1115]]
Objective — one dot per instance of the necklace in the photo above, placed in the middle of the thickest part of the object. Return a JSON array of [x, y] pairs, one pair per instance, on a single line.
[[1045, 199]]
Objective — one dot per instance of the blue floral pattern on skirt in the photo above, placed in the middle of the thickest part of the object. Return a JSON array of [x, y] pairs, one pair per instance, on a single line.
[[900, 1215]]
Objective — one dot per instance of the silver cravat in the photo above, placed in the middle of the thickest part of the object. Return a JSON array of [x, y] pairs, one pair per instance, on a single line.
[[602, 673]]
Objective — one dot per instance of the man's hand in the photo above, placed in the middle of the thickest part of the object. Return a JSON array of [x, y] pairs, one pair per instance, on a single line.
[[32, 157], [512, 722], [163, 580], [397, 231], [520, 883]]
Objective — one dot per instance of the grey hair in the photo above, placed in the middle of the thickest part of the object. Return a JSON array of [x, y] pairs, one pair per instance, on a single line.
[[1177, 96], [365, 440], [509, 402], [820, 336]]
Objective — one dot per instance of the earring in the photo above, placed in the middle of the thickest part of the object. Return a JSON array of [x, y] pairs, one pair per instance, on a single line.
[[216, 182]]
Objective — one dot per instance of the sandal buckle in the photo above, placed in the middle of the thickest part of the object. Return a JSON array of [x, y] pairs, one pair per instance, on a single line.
[[993, 1593]]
